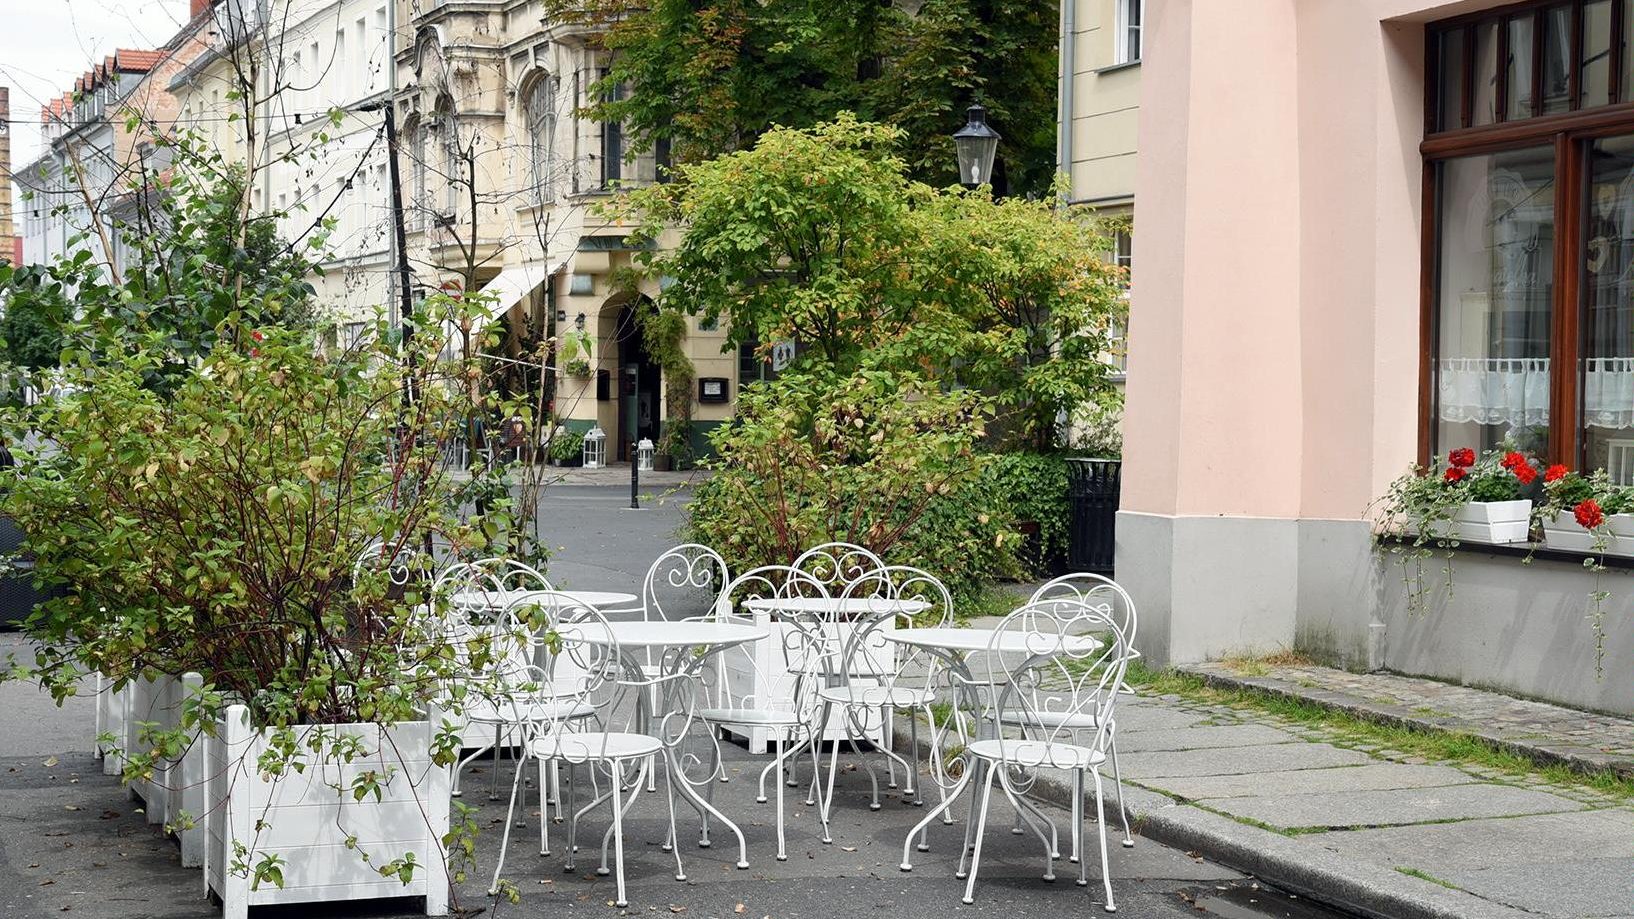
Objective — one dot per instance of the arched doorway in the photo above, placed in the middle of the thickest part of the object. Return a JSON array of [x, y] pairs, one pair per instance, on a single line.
[[638, 384]]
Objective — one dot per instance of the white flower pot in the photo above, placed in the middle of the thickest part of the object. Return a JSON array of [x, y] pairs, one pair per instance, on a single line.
[[301, 817], [1565, 533], [1494, 522]]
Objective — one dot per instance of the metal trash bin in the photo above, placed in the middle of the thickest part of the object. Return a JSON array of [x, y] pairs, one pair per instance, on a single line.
[[18, 595], [1092, 490]]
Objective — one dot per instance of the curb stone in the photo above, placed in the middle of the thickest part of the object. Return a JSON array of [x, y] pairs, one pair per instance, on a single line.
[[1399, 717], [1297, 865]]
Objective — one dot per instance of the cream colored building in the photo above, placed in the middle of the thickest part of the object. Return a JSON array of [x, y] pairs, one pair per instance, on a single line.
[[505, 184]]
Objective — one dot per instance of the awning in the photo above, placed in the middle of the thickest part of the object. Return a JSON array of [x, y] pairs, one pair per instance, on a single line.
[[516, 282]]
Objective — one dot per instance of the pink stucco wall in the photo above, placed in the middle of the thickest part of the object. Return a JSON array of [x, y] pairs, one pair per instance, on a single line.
[[1275, 323]]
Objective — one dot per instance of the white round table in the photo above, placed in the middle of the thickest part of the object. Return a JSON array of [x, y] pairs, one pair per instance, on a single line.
[[1007, 642], [845, 607], [716, 636], [473, 598]]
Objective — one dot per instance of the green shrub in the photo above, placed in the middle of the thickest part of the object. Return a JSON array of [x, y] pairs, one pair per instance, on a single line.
[[567, 446]]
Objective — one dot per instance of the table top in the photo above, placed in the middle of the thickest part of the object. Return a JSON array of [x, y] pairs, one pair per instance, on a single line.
[[845, 606], [474, 598], [954, 639], [661, 634]]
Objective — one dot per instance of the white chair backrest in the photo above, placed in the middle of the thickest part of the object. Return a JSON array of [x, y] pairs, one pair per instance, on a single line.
[[801, 651], [837, 564], [1056, 667], [892, 596], [683, 581], [1095, 591]]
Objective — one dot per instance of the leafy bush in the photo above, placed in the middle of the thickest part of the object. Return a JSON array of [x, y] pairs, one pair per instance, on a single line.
[[567, 445], [875, 458], [1032, 487]]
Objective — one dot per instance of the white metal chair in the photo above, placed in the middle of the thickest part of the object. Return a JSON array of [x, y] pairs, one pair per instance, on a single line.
[[578, 647], [1067, 667], [1105, 595], [479, 592], [867, 676], [767, 685], [836, 564]]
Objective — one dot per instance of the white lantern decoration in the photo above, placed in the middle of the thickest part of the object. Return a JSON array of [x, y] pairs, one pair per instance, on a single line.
[[643, 454], [595, 448]]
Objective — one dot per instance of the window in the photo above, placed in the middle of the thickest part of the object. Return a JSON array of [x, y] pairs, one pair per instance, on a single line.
[[1123, 255], [612, 142], [756, 364], [541, 121], [422, 149], [1131, 13], [1530, 203]]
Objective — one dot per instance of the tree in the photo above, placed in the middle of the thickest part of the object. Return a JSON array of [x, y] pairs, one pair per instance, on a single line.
[[820, 237], [710, 76], [31, 327]]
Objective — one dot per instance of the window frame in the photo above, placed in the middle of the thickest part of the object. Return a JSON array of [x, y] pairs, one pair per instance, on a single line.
[[1127, 29], [539, 102], [1571, 134]]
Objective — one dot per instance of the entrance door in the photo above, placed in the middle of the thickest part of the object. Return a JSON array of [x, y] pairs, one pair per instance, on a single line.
[[638, 387]]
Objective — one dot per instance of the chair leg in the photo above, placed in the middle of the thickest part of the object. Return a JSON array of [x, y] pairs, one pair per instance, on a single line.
[[981, 825], [782, 847], [970, 824], [505, 840], [709, 792], [816, 771], [915, 788], [1117, 779], [499, 753], [635, 792], [618, 833], [885, 736], [572, 819], [925, 821], [1078, 827], [544, 808], [674, 834], [1100, 826], [825, 801]]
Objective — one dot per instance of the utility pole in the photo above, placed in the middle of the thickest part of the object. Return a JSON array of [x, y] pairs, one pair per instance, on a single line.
[[405, 309]]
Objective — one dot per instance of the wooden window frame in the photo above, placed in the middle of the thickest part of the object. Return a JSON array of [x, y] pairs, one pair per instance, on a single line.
[[1571, 133]]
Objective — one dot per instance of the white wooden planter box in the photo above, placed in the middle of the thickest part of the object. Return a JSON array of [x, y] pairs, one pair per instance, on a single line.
[[1495, 522], [174, 795], [1564, 532], [112, 714], [301, 818], [769, 678]]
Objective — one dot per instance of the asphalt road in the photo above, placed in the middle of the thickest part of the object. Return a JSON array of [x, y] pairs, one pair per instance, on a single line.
[[73, 843]]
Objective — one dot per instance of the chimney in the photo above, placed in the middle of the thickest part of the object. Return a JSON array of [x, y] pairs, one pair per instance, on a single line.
[[198, 8]]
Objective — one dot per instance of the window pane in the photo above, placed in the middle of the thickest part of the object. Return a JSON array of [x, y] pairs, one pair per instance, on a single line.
[[1485, 110], [1519, 72], [1495, 285], [1557, 58], [1608, 316], [1593, 80], [1451, 80]]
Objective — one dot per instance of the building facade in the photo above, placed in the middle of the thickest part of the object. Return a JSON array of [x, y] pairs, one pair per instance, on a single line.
[[11, 244], [1437, 257], [506, 182]]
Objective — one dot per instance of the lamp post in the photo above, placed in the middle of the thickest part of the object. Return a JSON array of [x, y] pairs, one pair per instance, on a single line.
[[976, 143]]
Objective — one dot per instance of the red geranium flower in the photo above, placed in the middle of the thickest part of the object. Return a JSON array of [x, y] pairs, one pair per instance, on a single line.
[[1527, 473], [1588, 514], [257, 336], [1514, 460], [1453, 474], [1557, 471], [1462, 458]]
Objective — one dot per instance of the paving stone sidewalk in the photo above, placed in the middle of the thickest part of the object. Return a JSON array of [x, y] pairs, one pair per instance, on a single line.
[[1375, 831], [1546, 733]]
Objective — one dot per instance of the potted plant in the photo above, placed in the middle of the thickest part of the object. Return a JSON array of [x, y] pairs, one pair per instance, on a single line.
[[1466, 499], [224, 528], [1586, 513], [577, 347], [675, 449], [567, 448]]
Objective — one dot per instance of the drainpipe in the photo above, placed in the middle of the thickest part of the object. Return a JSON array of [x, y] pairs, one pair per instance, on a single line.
[[1069, 64], [394, 243]]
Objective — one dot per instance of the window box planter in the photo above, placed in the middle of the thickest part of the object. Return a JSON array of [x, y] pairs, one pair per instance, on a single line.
[[1565, 533], [1495, 522], [301, 818]]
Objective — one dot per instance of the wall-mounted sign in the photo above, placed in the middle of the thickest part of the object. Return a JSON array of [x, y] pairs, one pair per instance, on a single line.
[[712, 389]]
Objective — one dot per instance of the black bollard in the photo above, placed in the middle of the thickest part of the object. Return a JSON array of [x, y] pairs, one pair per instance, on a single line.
[[635, 478]]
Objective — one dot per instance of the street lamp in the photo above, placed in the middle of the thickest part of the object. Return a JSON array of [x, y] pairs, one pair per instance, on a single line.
[[976, 143]]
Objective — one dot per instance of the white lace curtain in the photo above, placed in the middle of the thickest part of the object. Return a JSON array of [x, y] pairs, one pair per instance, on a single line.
[[1515, 391]]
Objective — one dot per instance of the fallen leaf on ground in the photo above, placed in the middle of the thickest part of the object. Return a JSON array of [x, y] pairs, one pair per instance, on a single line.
[[49, 761]]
